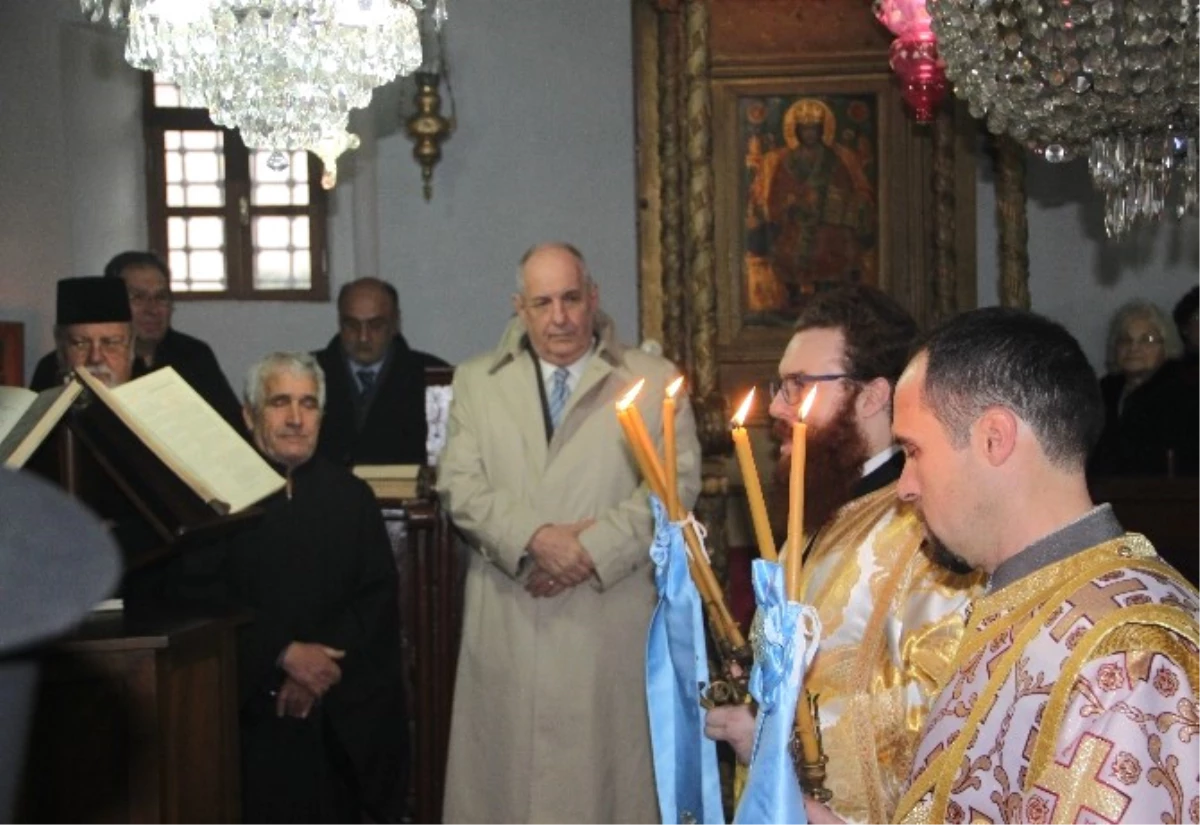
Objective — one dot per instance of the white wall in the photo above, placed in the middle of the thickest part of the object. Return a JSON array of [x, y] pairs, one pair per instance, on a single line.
[[544, 149], [1077, 275]]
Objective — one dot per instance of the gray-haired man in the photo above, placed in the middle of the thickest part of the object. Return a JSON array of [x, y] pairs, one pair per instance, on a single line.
[[323, 727]]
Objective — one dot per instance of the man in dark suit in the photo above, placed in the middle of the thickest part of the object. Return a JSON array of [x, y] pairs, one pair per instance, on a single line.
[[157, 345], [375, 397]]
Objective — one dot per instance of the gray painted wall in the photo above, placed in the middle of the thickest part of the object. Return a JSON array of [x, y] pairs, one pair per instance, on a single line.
[[544, 149]]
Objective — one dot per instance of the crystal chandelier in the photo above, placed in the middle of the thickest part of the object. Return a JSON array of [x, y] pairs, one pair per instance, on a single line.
[[284, 73], [1111, 80]]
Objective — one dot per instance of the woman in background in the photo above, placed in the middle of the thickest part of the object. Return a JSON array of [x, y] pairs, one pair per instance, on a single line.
[[1151, 413]]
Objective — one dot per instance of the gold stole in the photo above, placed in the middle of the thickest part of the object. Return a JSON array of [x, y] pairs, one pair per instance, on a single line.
[[1031, 601]]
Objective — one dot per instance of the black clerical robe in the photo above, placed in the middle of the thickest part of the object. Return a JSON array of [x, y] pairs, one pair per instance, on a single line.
[[319, 568], [193, 359], [384, 426]]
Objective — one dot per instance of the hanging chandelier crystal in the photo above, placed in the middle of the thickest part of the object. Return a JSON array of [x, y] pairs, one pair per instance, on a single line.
[[284, 73], [1111, 80]]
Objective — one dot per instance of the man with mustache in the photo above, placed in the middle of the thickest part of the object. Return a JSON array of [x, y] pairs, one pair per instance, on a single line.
[[375, 411], [158, 344], [93, 329], [891, 615], [1074, 693]]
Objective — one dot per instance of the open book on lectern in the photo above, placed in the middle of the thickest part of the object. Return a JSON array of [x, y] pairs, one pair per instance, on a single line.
[[165, 441], [28, 417]]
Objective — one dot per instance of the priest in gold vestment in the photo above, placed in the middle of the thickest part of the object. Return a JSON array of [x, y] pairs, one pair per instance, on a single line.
[[1075, 688], [891, 615]]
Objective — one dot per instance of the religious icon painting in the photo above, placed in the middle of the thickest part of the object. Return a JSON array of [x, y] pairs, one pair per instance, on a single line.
[[810, 184], [801, 177]]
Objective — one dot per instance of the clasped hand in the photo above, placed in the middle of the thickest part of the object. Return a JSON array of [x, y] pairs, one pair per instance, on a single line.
[[313, 666], [561, 560]]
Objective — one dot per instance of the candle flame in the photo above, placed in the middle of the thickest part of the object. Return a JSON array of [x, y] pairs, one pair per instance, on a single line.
[[807, 403], [631, 396], [740, 417], [674, 386]]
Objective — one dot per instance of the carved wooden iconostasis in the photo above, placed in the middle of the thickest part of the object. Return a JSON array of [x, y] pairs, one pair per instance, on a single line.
[[775, 160]]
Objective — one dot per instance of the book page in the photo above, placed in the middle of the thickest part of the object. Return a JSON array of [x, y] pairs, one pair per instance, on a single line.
[[191, 436], [42, 412], [14, 401]]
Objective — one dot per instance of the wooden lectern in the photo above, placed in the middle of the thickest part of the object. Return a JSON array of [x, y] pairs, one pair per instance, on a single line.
[[137, 717]]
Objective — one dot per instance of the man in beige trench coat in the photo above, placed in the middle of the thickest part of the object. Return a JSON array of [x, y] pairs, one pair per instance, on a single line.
[[549, 721]]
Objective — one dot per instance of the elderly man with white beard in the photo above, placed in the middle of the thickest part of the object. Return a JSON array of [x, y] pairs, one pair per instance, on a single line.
[[93, 328]]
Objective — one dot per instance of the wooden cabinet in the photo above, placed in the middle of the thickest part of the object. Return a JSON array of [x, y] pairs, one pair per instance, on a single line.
[[136, 722]]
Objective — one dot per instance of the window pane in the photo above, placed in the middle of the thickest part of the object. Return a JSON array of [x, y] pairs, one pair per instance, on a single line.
[[272, 270], [282, 258], [270, 187], [201, 167], [166, 95], [272, 233], [302, 267], [196, 254], [272, 194], [195, 164], [206, 233], [203, 140], [207, 270], [300, 233]]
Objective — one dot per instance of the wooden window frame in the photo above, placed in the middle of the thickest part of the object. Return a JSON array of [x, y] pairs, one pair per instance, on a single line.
[[239, 247]]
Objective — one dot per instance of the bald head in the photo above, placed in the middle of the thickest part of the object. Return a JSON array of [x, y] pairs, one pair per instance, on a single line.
[[368, 319], [557, 301]]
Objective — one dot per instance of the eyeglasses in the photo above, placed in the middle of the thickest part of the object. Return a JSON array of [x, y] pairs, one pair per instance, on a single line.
[[1144, 340], [794, 384], [149, 298], [109, 346]]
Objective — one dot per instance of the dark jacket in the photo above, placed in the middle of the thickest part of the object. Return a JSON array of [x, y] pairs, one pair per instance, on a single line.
[[192, 359], [1162, 414], [319, 568], [388, 425]]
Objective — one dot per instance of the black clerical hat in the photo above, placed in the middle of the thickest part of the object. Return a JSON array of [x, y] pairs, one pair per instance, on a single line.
[[93, 300], [57, 561]]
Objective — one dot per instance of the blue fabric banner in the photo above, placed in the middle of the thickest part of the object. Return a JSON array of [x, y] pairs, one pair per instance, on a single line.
[[785, 647], [685, 761]]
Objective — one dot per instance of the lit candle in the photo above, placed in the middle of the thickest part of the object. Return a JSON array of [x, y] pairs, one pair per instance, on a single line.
[[647, 458], [795, 538], [806, 725], [670, 457], [754, 493], [639, 441]]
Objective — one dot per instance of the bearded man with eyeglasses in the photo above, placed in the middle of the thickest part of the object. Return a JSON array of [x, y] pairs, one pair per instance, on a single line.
[[892, 613], [94, 330], [144, 276]]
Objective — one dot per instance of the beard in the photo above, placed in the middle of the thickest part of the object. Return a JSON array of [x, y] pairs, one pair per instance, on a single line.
[[835, 456], [943, 556], [102, 372]]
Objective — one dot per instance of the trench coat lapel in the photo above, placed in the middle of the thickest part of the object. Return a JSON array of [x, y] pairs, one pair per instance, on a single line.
[[519, 388]]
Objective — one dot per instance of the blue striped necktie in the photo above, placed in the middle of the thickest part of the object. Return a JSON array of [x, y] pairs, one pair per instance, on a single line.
[[558, 395]]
